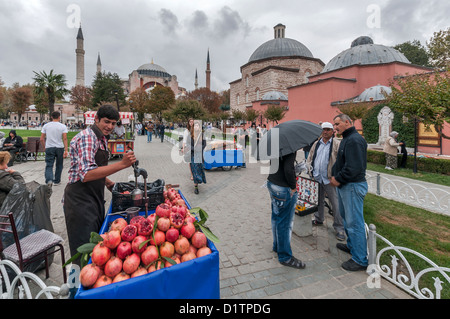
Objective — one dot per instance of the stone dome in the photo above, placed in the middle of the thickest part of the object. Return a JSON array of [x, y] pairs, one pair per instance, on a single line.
[[152, 69], [274, 95], [374, 93], [280, 47], [364, 52]]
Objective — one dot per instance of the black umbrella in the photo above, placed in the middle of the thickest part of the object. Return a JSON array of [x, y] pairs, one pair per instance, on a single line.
[[287, 138]]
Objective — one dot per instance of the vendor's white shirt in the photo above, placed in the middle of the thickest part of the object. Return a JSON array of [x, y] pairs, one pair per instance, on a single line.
[[119, 130], [53, 134]]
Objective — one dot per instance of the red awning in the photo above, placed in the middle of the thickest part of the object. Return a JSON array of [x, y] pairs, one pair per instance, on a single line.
[[123, 115]]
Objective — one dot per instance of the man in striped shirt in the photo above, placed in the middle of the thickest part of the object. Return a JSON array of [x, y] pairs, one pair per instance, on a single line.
[[84, 204]]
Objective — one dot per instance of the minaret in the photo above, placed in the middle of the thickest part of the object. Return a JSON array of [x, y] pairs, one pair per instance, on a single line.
[[196, 80], [99, 64], [80, 58], [208, 72]]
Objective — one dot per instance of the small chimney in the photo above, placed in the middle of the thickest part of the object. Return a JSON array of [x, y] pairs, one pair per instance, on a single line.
[[279, 30]]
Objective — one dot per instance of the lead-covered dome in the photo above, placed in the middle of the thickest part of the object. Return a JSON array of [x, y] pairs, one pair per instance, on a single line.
[[374, 93], [280, 47], [274, 95], [364, 52], [152, 69]]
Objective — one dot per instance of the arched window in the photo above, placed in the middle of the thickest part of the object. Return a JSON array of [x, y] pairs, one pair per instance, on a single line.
[[246, 97], [257, 94], [237, 99]]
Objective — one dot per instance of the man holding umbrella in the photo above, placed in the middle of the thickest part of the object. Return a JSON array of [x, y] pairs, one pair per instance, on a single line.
[[280, 145]]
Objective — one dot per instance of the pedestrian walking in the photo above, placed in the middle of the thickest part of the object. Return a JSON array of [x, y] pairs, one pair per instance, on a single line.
[[161, 132], [54, 137], [391, 149], [84, 200], [196, 146], [149, 128], [321, 160], [349, 173]]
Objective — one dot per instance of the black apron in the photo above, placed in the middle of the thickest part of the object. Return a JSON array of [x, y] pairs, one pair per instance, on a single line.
[[84, 204]]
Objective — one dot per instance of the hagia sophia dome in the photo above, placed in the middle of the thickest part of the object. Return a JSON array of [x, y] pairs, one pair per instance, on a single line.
[[364, 52], [152, 69], [280, 47]]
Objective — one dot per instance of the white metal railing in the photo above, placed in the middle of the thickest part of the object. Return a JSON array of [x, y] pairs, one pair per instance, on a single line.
[[399, 272], [435, 199], [20, 288]]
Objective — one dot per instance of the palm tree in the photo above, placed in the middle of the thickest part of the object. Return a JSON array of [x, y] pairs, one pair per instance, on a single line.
[[52, 84]]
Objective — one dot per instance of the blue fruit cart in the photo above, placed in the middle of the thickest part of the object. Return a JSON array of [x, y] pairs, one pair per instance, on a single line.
[[225, 159], [193, 279]]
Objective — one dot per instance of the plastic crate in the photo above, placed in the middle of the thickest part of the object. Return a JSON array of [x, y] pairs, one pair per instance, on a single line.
[[120, 201]]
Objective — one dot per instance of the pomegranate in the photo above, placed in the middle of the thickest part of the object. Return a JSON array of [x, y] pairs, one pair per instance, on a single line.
[[166, 249], [181, 202], [145, 227], [149, 255], [163, 224], [193, 249], [188, 229], [203, 251], [188, 256], [189, 218], [129, 233], [100, 254], [121, 277], [136, 219], [151, 218], [176, 219], [155, 266], [102, 281], [171, 194], [112, 239], [182, 245], [169, 264], [139, 272], [137, 242], [198, 239], [113, 267], [118, 224], [131, 263], [172, 235], [89, 275], [123, 250], [163, 210], [158, 239]]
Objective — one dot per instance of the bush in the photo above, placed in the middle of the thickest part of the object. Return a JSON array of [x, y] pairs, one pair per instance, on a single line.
[[431, 165]]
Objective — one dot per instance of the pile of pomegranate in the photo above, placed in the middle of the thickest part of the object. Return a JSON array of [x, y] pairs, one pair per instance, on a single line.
[[163, 239]]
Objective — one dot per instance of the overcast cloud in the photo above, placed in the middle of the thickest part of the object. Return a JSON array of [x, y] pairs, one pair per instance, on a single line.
[[38, 35]]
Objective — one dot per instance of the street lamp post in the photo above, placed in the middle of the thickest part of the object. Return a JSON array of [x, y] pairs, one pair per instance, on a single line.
[[117, 99]]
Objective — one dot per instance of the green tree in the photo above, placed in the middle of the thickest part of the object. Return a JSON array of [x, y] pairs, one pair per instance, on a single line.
[[161, 99], [439, 49], [186, 109], [251, 115], [415, 52], [424, 97], [274, 113], [21, 98], [54, 85], [139, 101], [104, 89]]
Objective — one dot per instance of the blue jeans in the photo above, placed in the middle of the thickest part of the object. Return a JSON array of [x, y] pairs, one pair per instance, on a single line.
[[351, 200], [283, 209], [149, 136], [52, 155]]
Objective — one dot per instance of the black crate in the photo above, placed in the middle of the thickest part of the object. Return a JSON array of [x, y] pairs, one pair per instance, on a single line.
[[120, 202]]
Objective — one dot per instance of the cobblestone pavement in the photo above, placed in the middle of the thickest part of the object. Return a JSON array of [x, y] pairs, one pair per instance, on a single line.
[[239, 208]]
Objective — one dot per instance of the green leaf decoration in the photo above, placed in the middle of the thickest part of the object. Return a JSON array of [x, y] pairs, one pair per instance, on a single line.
[[170, 260]]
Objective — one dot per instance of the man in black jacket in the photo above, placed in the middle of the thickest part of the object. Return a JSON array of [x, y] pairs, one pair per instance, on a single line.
[[349, 176]]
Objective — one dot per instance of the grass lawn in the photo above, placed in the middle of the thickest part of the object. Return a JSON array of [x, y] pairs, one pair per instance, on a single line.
[[414, 228], [440, 179], [35, 133]]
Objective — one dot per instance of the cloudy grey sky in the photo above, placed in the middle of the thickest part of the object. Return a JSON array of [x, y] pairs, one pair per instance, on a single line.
[[38, 35]]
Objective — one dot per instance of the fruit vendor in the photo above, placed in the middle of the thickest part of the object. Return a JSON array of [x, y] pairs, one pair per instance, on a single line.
[[84, 204]]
